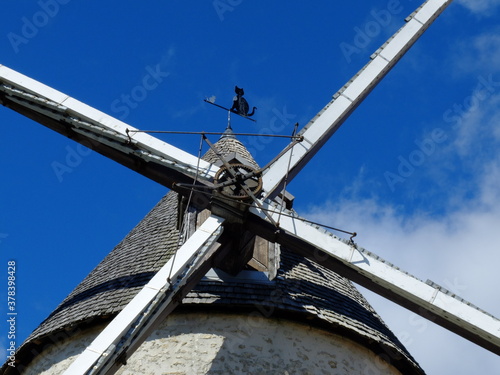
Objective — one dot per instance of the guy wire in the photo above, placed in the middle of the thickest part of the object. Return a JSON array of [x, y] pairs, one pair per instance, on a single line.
[[181, 235]]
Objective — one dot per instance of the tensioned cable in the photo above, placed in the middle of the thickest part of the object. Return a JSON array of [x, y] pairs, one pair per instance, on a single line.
[[352, 234], [234, 175], [180, 237], [287, 171], [212, 133]]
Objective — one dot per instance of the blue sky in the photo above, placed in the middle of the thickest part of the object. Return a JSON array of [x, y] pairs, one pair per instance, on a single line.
[[414, 170]]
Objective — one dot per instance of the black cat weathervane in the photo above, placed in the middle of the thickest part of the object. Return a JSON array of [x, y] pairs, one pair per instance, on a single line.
[[240, 105]]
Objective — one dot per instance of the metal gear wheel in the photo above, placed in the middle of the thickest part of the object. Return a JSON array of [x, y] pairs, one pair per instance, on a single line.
[[232, 182]]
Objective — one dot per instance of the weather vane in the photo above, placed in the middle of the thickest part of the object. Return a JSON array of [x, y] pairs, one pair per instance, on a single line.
[[240, 105]]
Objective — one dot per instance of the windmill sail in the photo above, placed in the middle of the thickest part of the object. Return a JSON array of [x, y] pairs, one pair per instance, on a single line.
[[290, 270]]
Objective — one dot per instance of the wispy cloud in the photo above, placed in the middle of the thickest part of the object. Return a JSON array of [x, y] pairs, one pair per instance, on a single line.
[[478, 127], [478, 53], [458, 248], [481, 7]]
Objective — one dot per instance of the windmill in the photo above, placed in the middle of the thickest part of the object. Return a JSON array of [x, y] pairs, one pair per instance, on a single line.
[[267, 215]]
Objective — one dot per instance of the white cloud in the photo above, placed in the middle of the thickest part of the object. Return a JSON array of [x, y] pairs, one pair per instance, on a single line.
[[459, 251], [458, 248], [476, 124], [478, 53], [482, 7]]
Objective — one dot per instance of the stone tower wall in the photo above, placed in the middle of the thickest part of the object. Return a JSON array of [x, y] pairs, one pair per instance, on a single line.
[[210, 343]]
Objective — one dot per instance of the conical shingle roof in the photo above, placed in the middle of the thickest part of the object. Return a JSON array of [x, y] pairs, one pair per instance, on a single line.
[[301, 289]]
